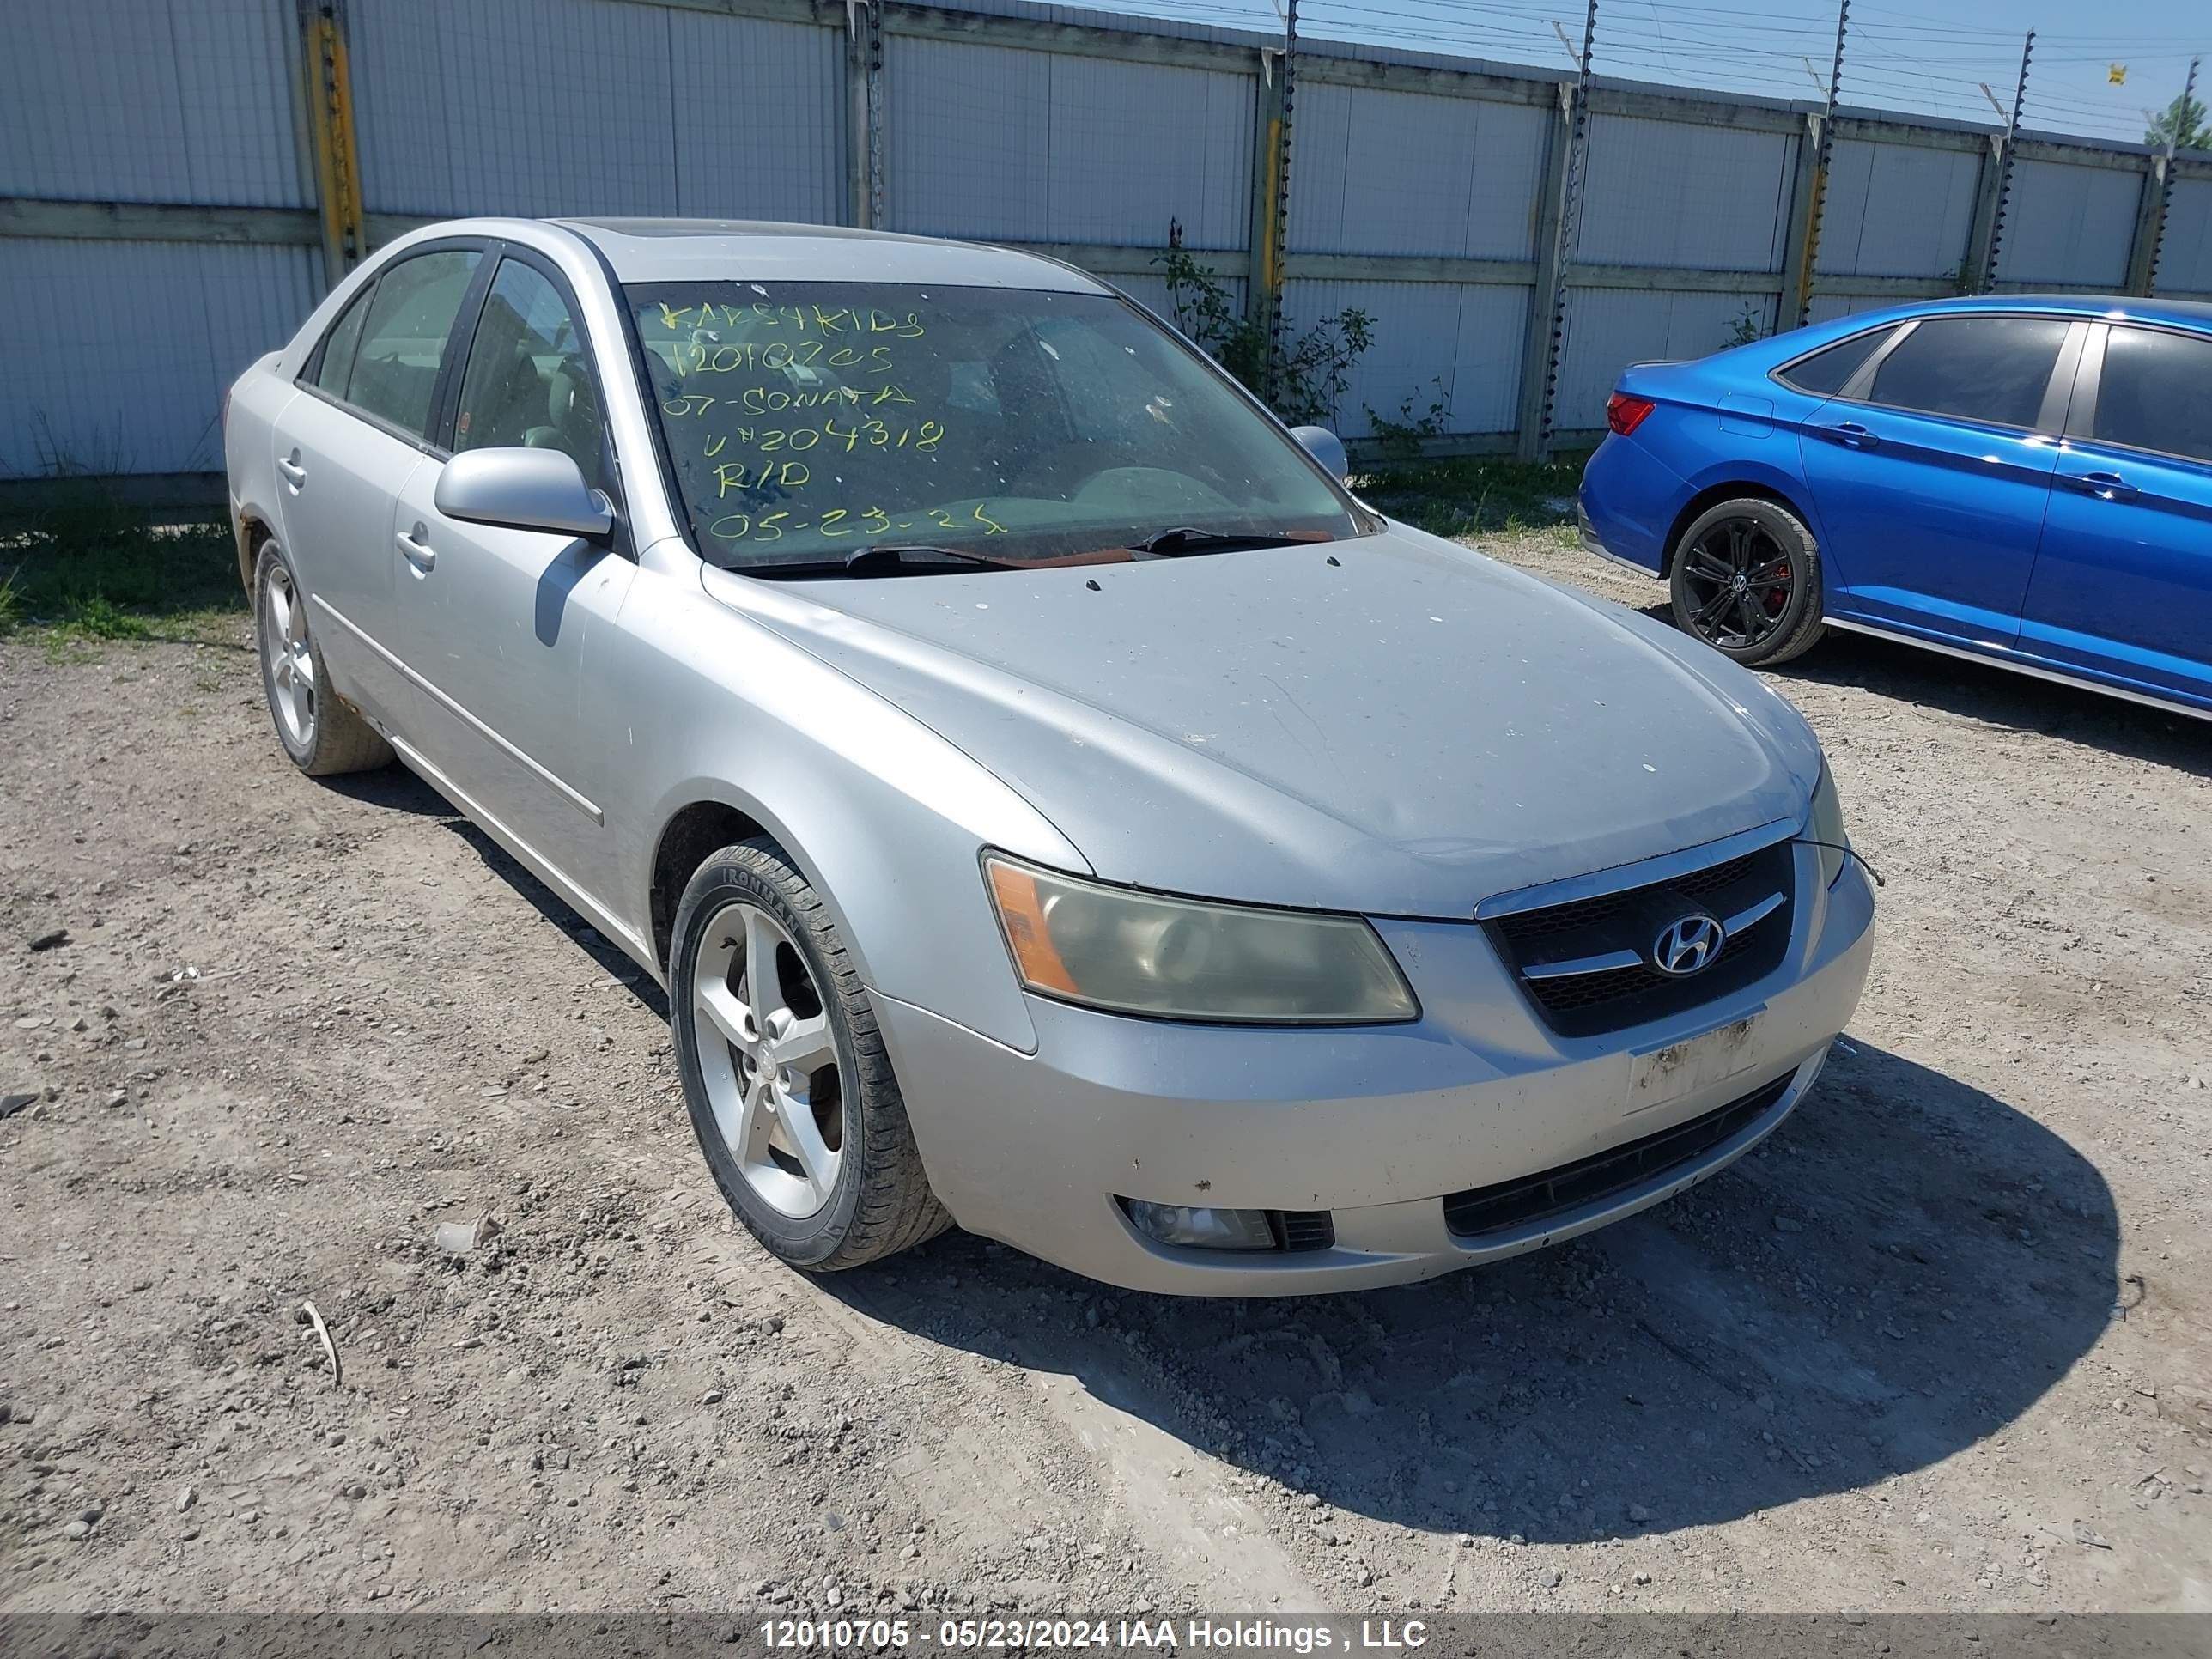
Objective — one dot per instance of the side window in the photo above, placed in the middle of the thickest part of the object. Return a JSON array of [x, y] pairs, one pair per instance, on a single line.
[[410, 315], [528, 383], [1824, 372], [2156, 393], [1980, 368], [335, 357]]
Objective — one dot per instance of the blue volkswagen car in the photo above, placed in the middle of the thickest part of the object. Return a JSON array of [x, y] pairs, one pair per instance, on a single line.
[[2022, 479]]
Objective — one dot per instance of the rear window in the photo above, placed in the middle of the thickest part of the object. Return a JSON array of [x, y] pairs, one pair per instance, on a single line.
[[1824, 372], [1976, 368]]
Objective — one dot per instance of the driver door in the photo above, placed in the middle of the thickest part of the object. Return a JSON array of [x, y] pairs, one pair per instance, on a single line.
[[497, 623]]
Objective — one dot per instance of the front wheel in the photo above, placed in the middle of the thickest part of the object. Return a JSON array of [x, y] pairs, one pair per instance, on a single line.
[[791, 1091], [1747, 580]]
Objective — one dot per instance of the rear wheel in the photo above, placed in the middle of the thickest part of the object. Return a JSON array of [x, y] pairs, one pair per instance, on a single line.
[[1746, 580], [322, 733]]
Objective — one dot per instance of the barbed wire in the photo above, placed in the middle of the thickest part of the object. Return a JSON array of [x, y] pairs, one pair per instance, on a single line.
[[1895, 60]]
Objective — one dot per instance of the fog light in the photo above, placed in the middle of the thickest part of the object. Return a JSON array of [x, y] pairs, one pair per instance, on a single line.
[[1198, 1228]]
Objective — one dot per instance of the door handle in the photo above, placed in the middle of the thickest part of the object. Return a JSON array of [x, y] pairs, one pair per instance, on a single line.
[[295, 474], [1852, 434], [2105, 486], [419, 552]]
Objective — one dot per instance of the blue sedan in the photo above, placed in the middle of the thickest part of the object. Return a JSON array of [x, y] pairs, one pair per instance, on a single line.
[[2022, 479]]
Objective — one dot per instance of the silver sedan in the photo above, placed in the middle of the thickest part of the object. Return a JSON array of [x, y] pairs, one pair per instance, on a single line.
[[1054, 803]]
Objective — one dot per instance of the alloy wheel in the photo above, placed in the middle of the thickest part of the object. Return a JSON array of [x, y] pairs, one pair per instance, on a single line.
[[291, 663], [769, 1060], [1739, 580]]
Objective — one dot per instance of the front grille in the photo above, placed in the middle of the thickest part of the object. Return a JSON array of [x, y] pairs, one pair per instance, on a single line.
[[1513, 1205], [1304, 1230], [1591, 1004]]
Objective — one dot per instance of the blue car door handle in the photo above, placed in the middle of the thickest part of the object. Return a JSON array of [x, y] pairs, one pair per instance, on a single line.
[[1851, 433], [2105, 486]]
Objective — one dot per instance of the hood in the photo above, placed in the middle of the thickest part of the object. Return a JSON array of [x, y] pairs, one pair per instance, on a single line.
[[1405, 732]]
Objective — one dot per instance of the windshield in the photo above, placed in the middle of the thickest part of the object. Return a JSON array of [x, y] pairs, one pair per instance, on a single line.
[[808, 420]]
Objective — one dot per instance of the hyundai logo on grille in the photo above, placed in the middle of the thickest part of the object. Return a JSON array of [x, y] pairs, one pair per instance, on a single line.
[[1688, 945]]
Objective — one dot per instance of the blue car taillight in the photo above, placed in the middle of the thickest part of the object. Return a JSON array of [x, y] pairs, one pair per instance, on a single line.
[[1623, 414]]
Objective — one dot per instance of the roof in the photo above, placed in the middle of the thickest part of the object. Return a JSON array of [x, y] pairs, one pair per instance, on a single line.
[[737, 250], [2188, 313]]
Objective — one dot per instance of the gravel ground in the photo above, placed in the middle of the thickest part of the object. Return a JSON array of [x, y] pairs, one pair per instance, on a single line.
[[1942, 1343]]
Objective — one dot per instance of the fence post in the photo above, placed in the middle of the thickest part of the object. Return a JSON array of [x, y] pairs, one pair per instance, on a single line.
[[1548, 310], [2158, 200], [1802, 241], [1995, 194], [1975, 272], [1807, 254], [864, 83], [330, 135], [2150, 228], [1263, 287], [1534, 412]]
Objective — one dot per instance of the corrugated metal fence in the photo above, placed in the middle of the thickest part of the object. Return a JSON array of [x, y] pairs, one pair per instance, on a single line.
[[180, 178]]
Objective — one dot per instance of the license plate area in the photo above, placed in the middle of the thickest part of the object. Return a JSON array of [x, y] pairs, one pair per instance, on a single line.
[[1688, 1066]]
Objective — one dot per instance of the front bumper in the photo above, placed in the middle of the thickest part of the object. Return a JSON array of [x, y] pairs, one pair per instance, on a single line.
[[1378, 1126]]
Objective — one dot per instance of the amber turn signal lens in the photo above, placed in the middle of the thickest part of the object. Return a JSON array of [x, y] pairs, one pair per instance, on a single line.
[[1021, 907]]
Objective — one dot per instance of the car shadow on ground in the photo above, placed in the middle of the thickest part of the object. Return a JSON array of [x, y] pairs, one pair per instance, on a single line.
[[1896, 1275], [2000, 696], [395, 789]]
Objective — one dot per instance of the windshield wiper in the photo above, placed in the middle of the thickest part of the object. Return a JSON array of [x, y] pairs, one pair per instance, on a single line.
[[1186, 539], [911, 558]]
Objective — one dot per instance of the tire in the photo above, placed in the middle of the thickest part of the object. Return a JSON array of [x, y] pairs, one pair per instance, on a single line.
[[321, 732], [751, 1114], [1756, 561]]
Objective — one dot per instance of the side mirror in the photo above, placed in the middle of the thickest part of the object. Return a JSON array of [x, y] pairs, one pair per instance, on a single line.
[[1326, 447], [524, 490]]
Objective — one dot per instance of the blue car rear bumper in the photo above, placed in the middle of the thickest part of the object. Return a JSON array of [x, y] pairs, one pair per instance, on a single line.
[[1627, 504]]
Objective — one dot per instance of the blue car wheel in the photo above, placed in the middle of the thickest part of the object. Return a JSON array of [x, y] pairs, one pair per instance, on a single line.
[[1746, 580]]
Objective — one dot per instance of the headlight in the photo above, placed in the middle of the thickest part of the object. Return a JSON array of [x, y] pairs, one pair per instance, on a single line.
[[1825, 822], [1138, 953]]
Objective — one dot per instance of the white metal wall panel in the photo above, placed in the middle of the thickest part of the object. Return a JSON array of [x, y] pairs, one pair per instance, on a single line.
[[1456, 343], [1675, 193], [1896, 209], [150, 100], [523, 106], [99, 399], [777, 149], [1026, 146], [969, 152], [2068, 225], [2184, 258], [1136, 145], [1609, 328], [1412, 172]]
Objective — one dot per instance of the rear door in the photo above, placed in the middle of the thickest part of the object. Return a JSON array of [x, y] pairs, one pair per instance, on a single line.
[[346, 448], [493, 622], [2123, 583], [1930, 471]]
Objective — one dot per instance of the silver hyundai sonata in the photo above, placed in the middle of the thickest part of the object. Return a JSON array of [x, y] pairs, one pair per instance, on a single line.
[[1054, 803]]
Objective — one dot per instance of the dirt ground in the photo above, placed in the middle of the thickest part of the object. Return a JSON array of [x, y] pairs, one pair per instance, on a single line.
[[1945, 1342]]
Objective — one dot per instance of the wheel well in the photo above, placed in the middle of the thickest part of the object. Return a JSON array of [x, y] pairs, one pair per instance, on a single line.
[[1713, 497], [252, 533], [700, 828]]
